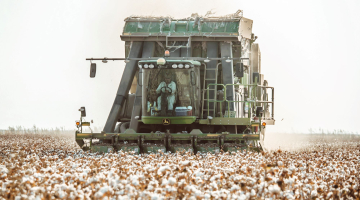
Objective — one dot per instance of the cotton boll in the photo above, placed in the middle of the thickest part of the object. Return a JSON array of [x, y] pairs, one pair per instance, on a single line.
[[172, 181], [162, 170]]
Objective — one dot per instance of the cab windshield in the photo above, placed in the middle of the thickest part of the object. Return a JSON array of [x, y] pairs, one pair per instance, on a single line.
[[170, 92]]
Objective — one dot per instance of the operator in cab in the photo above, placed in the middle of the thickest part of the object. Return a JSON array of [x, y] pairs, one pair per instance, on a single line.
[[167, 87]]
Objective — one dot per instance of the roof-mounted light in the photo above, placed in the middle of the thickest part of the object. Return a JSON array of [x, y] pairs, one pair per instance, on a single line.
[[228, 60], [161, 61], [146, 66], [187, 66], [174, 66], [140, 66], [151, 66], [181, 66], [207, 60], [167, 53]]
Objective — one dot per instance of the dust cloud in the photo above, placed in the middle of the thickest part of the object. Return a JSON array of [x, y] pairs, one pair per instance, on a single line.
[[301, 142]]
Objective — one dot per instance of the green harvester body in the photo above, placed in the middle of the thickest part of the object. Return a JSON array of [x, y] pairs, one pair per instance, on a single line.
[[189, 85]]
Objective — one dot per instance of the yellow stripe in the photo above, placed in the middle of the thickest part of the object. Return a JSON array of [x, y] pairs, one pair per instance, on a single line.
[[82, 134], [213, 134]]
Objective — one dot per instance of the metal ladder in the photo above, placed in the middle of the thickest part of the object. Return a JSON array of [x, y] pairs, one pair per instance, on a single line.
[[206, 82]]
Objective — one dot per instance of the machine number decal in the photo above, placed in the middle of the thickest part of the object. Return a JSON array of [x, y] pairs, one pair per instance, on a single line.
[[166, 121]]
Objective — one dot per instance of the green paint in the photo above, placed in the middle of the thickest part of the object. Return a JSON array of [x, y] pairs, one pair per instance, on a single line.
[[208, 149], [226, 121], [153, 149], [101, 149], [136, 149], [173, 120], [219, 27], [181, 149]]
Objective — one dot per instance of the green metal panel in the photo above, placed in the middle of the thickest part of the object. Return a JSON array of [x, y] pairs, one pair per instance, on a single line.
[[173, 120], [154, 27], [153, 148], [222, 27], [181, 27], [149, 142], [102, 149], [226, 121], [181, 148], [130, 27], [134, 148], [205, 148], [145, 27]]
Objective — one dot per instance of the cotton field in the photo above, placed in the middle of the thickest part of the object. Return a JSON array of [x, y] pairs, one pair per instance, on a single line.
[[45, 166]]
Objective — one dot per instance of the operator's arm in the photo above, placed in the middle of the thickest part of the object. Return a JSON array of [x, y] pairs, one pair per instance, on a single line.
[[159, 88], [173, 87]]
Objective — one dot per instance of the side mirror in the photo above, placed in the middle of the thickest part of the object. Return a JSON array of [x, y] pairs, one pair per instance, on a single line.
[[83, 112], [239, 70], [92, 70]]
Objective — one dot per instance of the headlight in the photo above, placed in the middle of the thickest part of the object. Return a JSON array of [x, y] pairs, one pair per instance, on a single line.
[[146, 66], [180, 66], [187, 66], [174, 66], [151, 66], [161, 61]]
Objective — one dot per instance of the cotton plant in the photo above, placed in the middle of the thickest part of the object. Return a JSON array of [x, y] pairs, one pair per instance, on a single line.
[[54, 167]]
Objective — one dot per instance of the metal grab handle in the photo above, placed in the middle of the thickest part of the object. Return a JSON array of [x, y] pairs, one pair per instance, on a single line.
[[251, 101]]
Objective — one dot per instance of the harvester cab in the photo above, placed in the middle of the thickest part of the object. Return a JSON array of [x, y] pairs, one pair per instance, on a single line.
[[192, 84]]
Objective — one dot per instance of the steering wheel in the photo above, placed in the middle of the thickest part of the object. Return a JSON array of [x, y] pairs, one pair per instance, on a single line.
[[166, 87]]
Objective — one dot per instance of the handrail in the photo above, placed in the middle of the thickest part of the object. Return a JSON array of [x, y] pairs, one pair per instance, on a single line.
[[214, 101], [207, 90], [254, 101]]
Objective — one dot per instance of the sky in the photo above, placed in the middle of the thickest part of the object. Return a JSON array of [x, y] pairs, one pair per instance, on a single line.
[[310, 54]]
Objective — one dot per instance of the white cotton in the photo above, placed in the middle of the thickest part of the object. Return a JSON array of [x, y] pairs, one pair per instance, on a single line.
[[162, 169], [186, 162], [235, 188], [171, 181], [253, 193]]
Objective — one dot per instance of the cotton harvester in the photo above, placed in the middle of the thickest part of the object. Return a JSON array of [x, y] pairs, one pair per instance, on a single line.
[[192, 84]]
